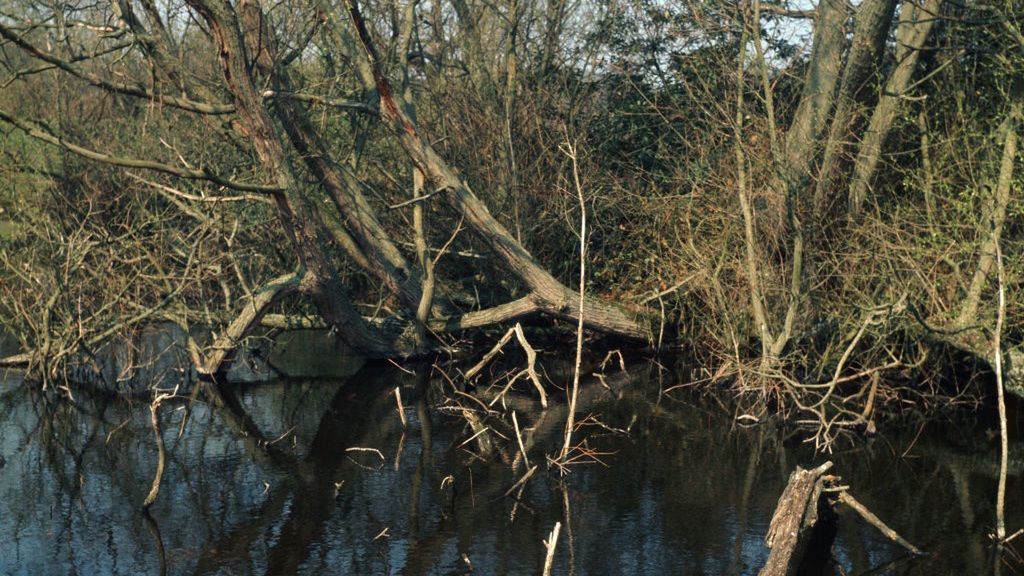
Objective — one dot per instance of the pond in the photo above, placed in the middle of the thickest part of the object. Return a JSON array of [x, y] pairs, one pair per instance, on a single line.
[[322, 477]]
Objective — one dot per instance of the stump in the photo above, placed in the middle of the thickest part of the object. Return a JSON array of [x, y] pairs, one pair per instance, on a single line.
[[795, 515], [798, 511]]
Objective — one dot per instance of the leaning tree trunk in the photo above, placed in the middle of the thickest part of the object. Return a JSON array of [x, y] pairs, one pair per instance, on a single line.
[[380, 257], [911, 34], [360, 234], [297, 216], [548, 295], [866, 49]]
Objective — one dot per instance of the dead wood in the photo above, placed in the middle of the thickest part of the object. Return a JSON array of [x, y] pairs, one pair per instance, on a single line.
[[799, 510], [796, 511]]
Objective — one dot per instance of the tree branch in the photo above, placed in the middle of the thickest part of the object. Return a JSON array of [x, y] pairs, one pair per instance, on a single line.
[[119, 87], [42, 133], [248, 317], [788, 13]]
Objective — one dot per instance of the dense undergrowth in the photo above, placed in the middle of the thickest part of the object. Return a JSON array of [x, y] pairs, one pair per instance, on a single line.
[[683, 130]]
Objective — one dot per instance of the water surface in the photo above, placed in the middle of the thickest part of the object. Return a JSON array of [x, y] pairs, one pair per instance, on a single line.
[[320, 477]]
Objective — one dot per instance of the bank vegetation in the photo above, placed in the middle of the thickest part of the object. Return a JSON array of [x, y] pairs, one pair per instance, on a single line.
[[807, 202]]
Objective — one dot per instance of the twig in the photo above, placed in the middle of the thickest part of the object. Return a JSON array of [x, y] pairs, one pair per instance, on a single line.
[[869, 320], [413, 200], [323, 101], [570, 151], [479, 431], [519, 439], [161, 455], [608, 357], [522, 480], [531, 360], [490, 354], [383, 460], [401, 409], [114, 431], [40, 132], [200, 197], [669, 290], [531, 363], [550, 544], [16, 360], [361, 449], [444, 247], [281, 437], [398, 452]]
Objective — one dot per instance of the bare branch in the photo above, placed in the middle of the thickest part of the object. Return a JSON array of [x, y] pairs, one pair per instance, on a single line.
[[339, 103], [119, 87], [788, 13], [248, 317], [200, 198], [39, 132]]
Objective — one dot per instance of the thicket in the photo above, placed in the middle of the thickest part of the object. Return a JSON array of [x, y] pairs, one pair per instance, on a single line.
[[808, 201]]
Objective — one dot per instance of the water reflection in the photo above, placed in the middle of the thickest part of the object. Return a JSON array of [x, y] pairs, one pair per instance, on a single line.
[[320, 477]]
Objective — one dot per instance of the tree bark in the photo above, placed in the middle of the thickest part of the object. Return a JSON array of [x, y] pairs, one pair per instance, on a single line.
[[803, 141], [475, 58], [997, 217], [810, 121], [794, 515], [383, 258]]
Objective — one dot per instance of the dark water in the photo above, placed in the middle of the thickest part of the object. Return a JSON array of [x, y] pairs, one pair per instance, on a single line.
[[319, 477]]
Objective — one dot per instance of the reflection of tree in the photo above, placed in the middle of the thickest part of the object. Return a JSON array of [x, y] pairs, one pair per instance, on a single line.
[[89, 462], [55, 472], [228, 407], [306, 497], [685, 491], [744, 508], [158, 541]]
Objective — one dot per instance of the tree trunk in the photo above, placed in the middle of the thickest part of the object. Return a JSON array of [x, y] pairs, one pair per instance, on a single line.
[[911, 35], [794, 168], [810, 121], [997, 217], [297, 216], [386, 262], [375, 247], [866, 49], [795, 514], [248, 317], [551, 296], [474, 57]]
